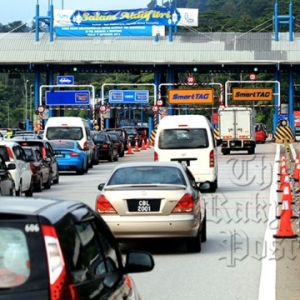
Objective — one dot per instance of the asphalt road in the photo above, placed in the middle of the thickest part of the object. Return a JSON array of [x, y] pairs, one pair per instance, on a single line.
[[240, 259]]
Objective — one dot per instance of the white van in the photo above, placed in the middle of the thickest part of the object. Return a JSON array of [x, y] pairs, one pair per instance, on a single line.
[[70, 128], [189, 139]]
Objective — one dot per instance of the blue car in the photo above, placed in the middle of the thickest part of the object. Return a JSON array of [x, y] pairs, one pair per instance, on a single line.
[[70, 156]]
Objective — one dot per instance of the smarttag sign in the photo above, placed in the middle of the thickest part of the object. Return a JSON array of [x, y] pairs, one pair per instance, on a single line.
[[205, 96], [252, 94], [119, 96]]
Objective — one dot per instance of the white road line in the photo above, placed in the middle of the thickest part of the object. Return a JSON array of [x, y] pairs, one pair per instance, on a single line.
[[267, 286]]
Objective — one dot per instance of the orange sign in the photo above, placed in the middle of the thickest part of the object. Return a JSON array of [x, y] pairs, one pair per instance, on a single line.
[[252, 94], [205, 96]]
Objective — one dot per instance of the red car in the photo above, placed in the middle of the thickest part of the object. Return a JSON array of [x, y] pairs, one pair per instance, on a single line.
[[260, 133]]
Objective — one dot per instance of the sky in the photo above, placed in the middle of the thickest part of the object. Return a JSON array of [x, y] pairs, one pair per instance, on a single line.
[[24, 10]]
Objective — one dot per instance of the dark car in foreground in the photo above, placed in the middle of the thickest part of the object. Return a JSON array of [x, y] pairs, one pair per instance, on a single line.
[[61, 249], [7, 184]]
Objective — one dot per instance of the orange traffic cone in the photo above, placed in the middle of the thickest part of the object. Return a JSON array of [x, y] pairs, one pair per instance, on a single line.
[[290, 211], [147, 144], [129, 149], [285, 230], [136, 147], [287, 194], [283, 179], [297, 172], [143, 145], [282, 165]]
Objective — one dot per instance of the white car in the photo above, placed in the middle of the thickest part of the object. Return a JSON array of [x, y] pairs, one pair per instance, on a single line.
[[22, 174], [154, 200]]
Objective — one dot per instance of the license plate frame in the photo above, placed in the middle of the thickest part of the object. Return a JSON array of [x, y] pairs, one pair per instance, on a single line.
[[143, 205]]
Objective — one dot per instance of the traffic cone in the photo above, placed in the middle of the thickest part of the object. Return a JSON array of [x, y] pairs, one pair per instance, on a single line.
[[143, 145], [147, 144], [282, 165], [287, 194], [136, 147], [290, 210], [129, 149], [283, 179], [285, 230], [297, 172]]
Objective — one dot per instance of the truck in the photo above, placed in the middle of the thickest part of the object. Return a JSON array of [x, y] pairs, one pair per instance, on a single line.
[[237, 129]]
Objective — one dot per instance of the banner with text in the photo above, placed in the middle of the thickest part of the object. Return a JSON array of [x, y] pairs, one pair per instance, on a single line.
[[203, 96]]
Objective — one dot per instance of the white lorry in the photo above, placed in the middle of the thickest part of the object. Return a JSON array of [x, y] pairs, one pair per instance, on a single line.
[[237, 129]]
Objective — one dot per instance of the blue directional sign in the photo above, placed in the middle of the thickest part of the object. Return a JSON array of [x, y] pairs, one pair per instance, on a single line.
[[67, 97], [65, 80], [119, 96]]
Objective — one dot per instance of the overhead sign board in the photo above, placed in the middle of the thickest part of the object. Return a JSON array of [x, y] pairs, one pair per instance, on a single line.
[[252, 94], [128, 96], [67, 97], [65, 80], [203, 96]]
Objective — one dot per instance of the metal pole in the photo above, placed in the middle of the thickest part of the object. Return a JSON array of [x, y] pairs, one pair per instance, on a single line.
[[26, 100], [30, 106]]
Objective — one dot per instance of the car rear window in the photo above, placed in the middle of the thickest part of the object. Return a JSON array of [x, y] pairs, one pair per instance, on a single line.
[[65, 133], [14, 257], [183, 139], [3, 152]]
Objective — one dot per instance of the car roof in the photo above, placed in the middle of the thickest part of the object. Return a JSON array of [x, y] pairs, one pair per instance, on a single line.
[[6, 142], [151, 164], [32, 206]]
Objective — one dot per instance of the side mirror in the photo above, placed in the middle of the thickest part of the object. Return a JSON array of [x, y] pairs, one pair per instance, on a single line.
[[138, 261], [11, 166], [100, 186]]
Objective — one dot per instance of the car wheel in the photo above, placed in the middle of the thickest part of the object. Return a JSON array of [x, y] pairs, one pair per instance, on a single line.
[[19, 192], [13, 190], [91, 164], [194, 244], [56, 180], [122, 153], [47, 185], [111, 157], [81, 171], [203, 231], [29, 192], [39, 187], [214, 186]]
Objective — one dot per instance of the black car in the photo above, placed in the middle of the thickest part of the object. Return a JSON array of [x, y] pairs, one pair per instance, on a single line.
[[7, 184], [47, 154], [129, 134], [119, 142], [106, 148], [61, 249]]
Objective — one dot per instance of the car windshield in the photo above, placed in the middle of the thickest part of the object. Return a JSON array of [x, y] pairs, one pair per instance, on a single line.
[[100, 137], [183, 138], [147, 175], [64, 133]]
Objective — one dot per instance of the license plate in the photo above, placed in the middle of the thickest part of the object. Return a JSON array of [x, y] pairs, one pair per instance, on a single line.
[[59, 155], [148, 205]]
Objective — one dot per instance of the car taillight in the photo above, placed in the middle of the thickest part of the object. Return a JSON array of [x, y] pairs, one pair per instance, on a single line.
[[211, 159], [44, 152], [155, 156], [105, 146], [33, 168], [85, 145], [10, 154], [103, 206], [185, 205], [73, 154], [60, 285]]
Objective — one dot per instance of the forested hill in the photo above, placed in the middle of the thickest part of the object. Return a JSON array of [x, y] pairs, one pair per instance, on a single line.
[[216, 15]]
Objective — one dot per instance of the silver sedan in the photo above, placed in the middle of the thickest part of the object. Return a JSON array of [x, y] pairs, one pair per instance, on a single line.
[[153, 200]]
